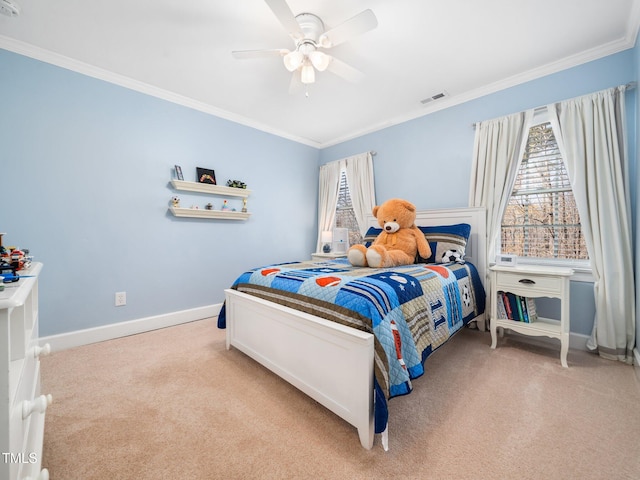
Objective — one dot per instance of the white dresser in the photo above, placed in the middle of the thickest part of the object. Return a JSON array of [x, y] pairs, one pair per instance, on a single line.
[[22, 407]]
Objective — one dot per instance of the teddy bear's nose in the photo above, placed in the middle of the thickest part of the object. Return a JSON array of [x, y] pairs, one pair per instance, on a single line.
[[388, 227]]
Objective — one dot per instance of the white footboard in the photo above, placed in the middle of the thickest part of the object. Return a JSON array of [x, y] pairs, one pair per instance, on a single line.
[[331, 363]]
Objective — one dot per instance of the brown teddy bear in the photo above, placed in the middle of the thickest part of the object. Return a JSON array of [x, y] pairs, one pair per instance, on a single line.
[[399, 240]]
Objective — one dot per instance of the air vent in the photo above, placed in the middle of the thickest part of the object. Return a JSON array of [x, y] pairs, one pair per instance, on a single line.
[[8, 8], [435, 97]]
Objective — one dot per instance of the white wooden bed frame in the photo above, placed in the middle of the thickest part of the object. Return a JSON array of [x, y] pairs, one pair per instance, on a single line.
[[290, 343]]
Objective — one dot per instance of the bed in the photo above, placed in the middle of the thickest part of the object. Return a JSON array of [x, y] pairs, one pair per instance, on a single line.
[[353, 338]]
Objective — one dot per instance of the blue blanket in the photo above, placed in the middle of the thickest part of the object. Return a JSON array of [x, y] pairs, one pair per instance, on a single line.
[[411, 310]]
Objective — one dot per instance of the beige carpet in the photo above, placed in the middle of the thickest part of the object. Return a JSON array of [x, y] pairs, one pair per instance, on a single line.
[[175, 404]]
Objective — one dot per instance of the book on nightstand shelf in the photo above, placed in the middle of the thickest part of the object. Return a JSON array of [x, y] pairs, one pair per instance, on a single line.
[[516, 307], [531, 309]]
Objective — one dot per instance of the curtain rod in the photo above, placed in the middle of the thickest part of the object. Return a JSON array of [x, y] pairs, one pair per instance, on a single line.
[[629, 86]]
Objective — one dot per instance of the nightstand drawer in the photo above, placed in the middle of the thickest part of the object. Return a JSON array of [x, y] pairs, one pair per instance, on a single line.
[[528, 285]]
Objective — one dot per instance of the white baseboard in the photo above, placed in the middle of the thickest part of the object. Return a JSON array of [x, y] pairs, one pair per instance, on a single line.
[[122, 329], [578, 341]]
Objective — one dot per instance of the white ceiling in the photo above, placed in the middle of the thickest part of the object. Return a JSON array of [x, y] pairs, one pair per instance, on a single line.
[[181, 51]]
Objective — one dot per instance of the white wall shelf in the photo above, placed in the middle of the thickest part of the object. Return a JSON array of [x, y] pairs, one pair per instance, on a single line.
[[204, 213], [210, 190]]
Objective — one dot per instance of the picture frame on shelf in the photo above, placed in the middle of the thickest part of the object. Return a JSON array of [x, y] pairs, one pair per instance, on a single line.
[[178, 170], [206, 175]]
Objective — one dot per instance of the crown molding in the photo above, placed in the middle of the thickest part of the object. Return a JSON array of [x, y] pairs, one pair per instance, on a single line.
[[68, 63], [77, 66], [548, 69]]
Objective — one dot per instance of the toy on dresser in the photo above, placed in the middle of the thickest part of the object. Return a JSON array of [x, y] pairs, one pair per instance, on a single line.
[[13, 260], [19, 259]]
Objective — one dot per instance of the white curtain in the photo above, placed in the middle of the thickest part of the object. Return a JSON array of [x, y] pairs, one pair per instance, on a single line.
[[327, 198], [359, 170], [498, 148], [591, 135]]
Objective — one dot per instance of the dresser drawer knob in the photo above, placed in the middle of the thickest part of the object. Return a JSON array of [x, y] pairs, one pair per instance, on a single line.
[[39, 405], [42, 351], [527, 281]]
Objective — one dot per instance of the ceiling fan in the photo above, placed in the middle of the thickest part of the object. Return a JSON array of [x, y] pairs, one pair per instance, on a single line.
[[311, 42]]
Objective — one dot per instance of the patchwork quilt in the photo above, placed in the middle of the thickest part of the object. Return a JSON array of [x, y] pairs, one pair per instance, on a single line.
[[411, 310]]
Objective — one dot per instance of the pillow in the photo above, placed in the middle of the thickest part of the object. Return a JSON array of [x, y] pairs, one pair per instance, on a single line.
[[441, 238], [450, 239], [371, 235]]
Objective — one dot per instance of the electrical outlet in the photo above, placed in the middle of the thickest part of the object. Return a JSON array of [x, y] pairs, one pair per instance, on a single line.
[[121, 299]]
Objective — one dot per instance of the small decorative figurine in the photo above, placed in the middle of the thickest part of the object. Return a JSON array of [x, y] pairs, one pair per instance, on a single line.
[[236, 184], [175, 201], [244, 205], [225, 206], [209, 206]]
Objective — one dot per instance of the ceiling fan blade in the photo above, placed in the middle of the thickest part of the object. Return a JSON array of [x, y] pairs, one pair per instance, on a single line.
[[295, 85], [281, 10], [245, 54], [345, 71], [361, 23]]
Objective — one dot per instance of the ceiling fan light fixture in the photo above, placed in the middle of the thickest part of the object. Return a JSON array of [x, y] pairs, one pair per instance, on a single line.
[[324, 41], [293, 60], [320, 60], [307, 74], [309, 36]]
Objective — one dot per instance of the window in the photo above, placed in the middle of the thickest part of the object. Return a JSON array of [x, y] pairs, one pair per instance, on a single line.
[[337, 207], [541, 219], [345, 218]]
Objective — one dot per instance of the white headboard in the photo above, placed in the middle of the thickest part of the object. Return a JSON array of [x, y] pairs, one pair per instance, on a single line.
[[475, 217]]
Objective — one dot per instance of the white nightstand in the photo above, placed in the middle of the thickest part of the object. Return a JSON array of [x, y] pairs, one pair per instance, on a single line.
[[323, 257], [533, 282]]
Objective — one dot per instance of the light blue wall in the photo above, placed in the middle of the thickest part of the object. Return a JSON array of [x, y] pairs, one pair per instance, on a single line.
[[428, 160], [85, 176], [86, 166]]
